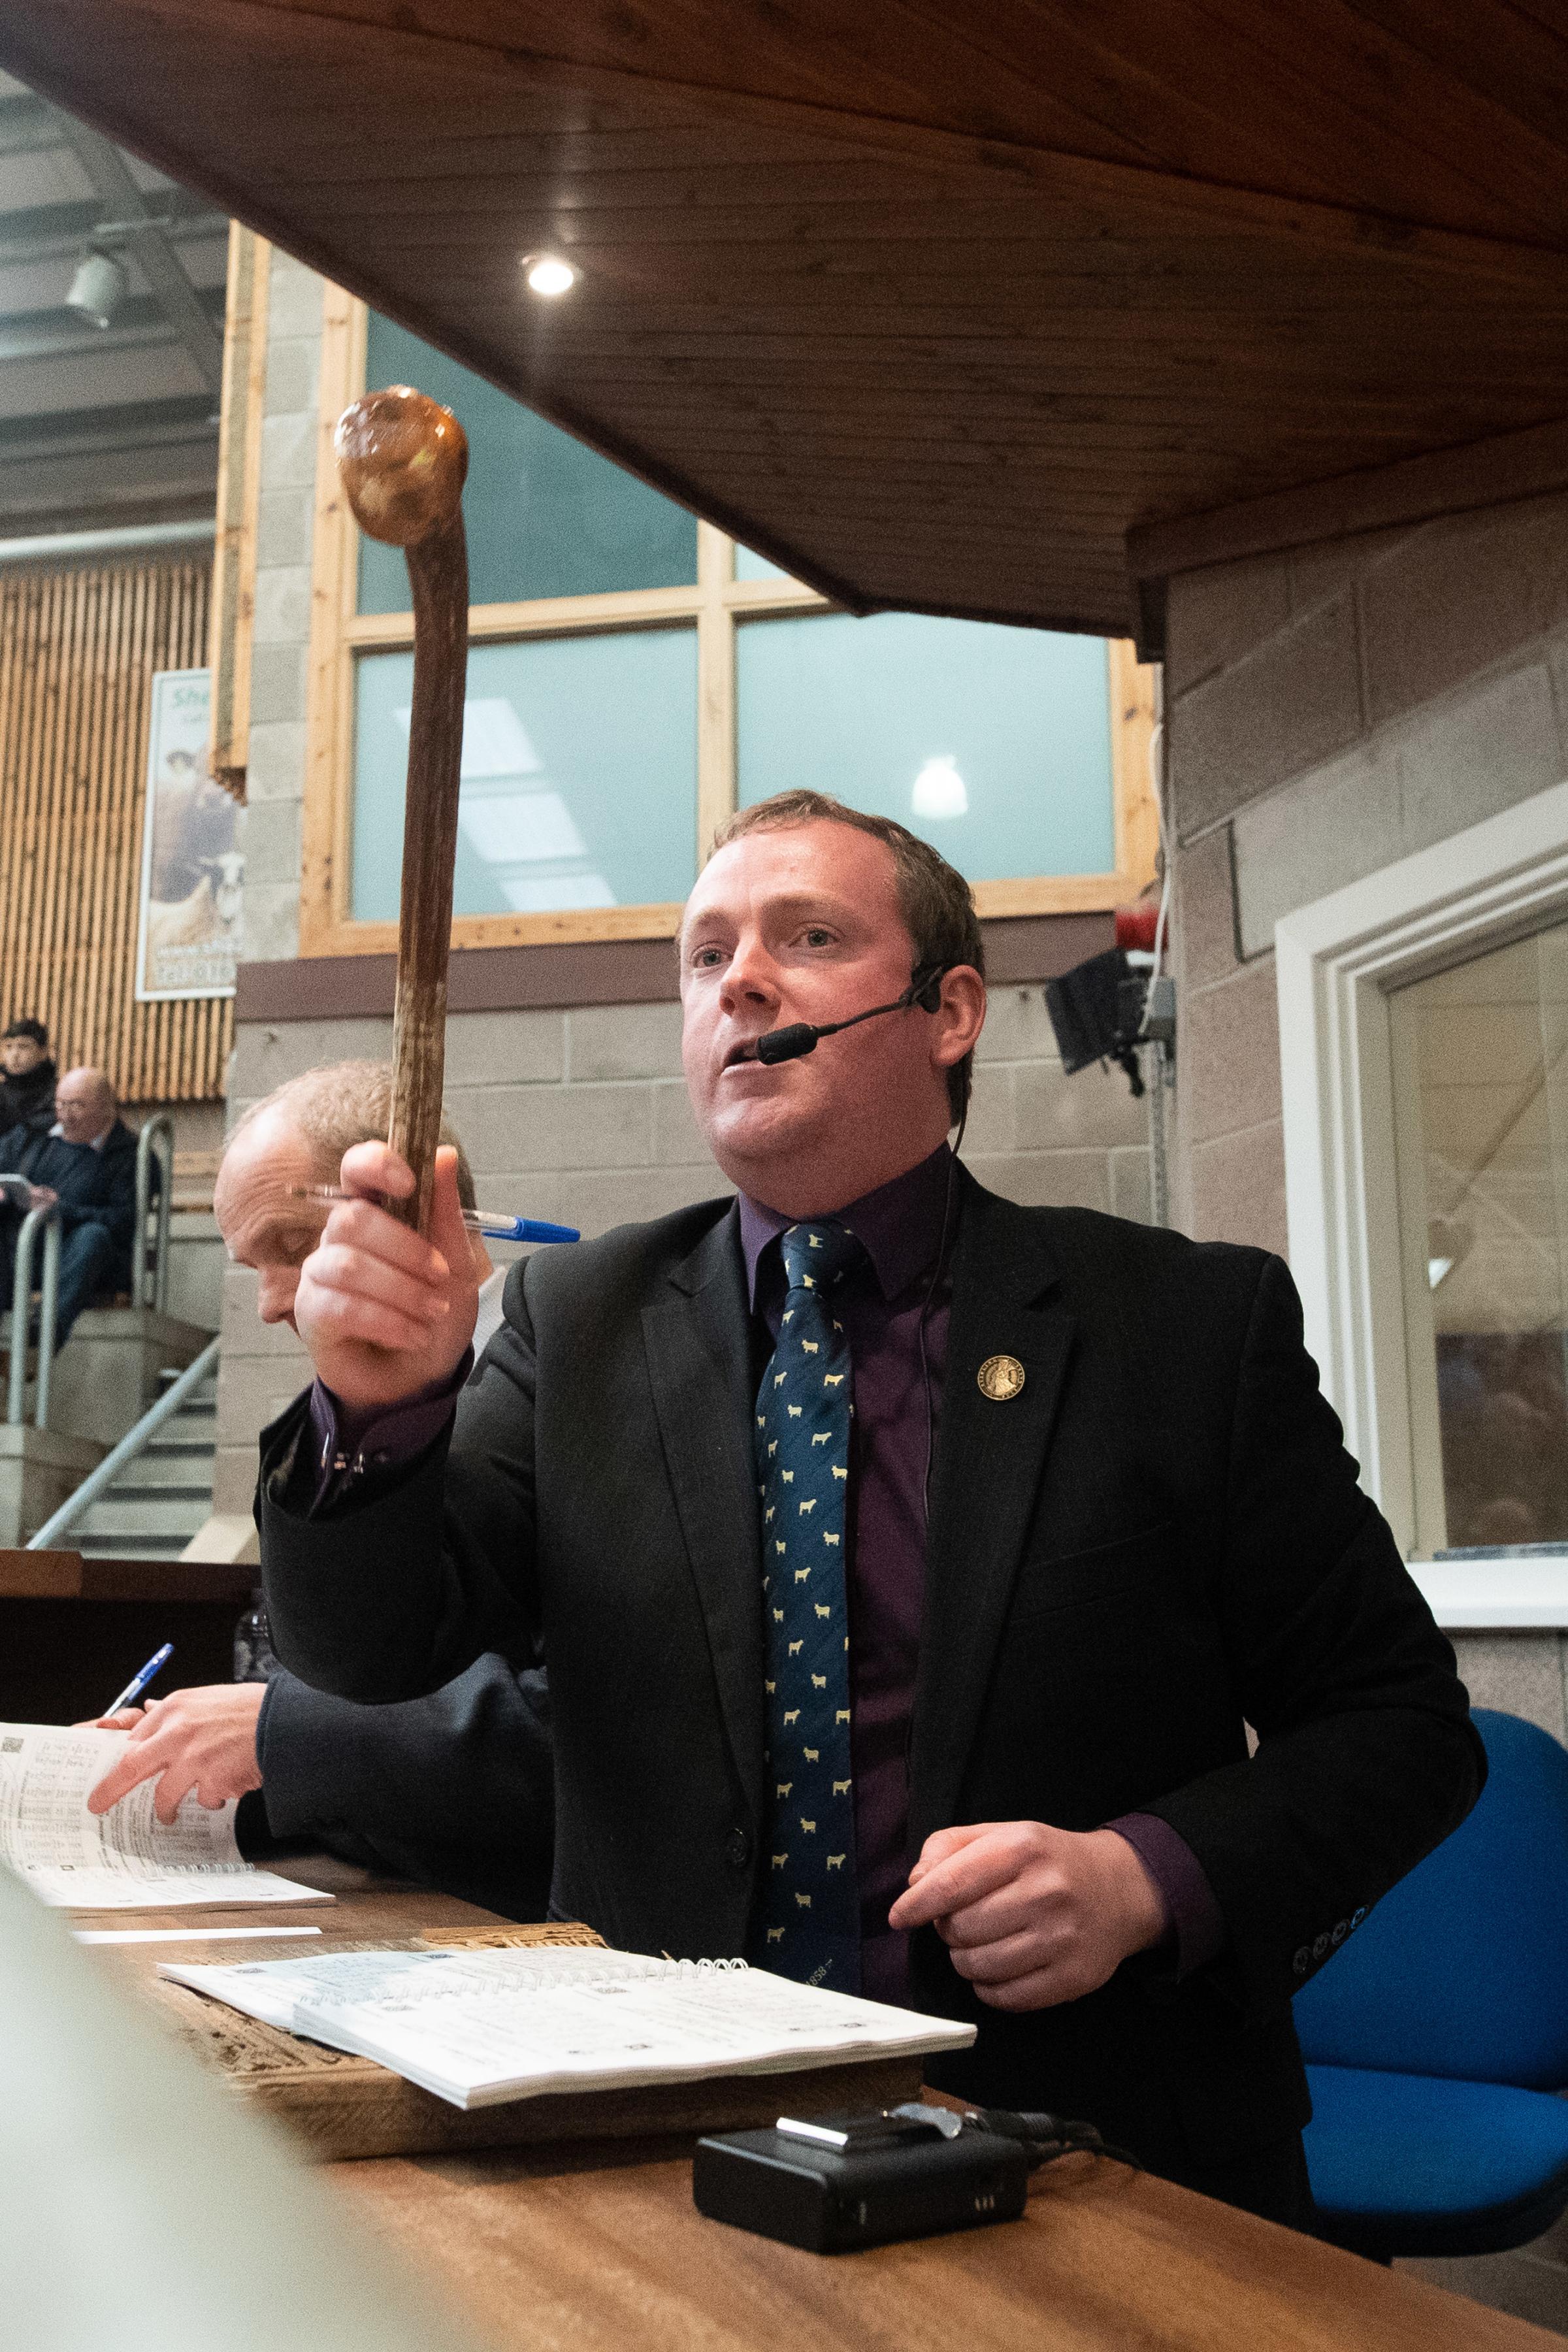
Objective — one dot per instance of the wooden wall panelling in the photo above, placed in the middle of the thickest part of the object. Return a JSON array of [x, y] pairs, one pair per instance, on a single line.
[[77, 650], [239, 496]]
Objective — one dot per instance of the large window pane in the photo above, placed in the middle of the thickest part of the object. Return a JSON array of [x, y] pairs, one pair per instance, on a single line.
[[546, 516], [1483, 1070], [579, 775], [992, 744]]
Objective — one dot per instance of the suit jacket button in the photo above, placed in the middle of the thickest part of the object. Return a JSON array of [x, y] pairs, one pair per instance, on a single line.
[[1342, 1929], [1319, 1946], [1302, 1961], [1358, 1918], [739, 1850]]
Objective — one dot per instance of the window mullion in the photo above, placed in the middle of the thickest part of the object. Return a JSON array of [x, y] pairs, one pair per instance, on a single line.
[[715, 685]]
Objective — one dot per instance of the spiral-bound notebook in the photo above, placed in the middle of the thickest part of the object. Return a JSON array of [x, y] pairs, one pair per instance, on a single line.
[[479, 2028]]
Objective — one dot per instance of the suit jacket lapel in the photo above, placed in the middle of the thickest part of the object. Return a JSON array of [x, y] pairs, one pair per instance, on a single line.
[[699, 1352], [989, 1460]]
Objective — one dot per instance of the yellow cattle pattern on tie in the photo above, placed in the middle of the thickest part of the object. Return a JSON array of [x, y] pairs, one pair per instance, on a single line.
[[810, 1925]]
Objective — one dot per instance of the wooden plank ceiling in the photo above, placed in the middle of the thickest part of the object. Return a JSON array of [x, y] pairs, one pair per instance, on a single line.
[[932, 301]]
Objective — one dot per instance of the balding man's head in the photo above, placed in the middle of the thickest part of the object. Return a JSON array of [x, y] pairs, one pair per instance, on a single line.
[[296, 1137], [85, 1106]]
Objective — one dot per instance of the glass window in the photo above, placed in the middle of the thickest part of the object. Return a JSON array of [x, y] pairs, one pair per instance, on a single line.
[[579, 775], [751, 566], [992, 743], [546, 516], [1481, 1056]]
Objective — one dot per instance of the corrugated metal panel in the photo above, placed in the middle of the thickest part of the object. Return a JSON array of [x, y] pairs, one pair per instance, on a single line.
[[77, 649]]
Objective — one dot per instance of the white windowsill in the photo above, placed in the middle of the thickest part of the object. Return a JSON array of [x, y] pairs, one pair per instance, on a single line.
[[1498, 1594]]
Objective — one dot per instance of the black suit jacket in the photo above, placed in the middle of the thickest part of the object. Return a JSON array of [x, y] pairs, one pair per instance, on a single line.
[[455, 1790], [95, 1187], [1158, 1541]]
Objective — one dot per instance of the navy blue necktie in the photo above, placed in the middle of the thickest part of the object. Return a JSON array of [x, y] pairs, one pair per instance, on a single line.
[[810, 1921]]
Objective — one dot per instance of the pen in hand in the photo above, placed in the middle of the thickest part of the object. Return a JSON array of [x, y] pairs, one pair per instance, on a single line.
[[139, 1682], [490, 1225]]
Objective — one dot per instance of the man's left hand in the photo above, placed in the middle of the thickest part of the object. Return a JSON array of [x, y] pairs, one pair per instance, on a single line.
[[203, 1739], [1032, 1914]]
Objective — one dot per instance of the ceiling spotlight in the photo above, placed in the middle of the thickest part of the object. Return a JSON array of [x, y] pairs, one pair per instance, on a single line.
[[548, 274], [98, 287]]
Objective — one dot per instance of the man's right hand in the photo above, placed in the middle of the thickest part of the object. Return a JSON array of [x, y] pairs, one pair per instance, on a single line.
[[203, 1739], [384, 1312], [41, 1196]]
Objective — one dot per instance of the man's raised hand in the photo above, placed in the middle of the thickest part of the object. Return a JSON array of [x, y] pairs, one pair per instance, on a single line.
[[384, 1312], [1031, 1914]]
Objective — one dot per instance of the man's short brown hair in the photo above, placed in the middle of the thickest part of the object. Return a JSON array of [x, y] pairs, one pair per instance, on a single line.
[[936, 902], [345, 1103]]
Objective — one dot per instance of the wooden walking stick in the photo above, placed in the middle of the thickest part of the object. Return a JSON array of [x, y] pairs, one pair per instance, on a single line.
[[402, 459]]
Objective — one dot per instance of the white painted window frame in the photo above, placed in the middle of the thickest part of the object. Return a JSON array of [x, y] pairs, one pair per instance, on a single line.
[[1336, 963]]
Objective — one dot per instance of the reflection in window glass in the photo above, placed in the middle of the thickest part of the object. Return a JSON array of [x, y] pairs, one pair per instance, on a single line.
[[1488, 1045], [992, 744], [546, 516], [579, 775]]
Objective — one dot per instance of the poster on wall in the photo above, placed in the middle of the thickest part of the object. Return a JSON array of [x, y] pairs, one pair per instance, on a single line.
[[193, 868]]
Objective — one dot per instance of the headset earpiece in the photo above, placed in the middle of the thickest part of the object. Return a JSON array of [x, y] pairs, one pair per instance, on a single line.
[[925, 985]]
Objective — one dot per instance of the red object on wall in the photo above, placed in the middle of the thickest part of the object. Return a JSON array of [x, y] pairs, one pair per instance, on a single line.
[[1135, 927]]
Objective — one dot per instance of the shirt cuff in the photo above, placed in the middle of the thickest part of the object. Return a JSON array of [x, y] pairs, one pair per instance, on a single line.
[[347, 1445], [1193, 1926]]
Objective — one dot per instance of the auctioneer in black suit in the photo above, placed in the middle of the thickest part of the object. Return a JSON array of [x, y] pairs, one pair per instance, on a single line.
[[1158, 1541]]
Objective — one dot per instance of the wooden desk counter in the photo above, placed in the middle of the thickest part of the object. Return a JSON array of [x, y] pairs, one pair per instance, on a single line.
[[596, 2247], [598, 2251]]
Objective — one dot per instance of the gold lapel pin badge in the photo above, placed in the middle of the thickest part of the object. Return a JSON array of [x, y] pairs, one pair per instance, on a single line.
[[1000, 1378]]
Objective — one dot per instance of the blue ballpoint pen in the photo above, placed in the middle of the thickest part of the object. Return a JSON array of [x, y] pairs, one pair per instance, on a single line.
[[490, 1225], [138, 1683]]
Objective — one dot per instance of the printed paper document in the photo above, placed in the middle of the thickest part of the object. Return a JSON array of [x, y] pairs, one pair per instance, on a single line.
[[481, 2027], [126, 1857]]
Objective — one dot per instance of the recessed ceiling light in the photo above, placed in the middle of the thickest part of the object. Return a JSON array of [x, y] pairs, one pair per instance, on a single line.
[[548, 274]]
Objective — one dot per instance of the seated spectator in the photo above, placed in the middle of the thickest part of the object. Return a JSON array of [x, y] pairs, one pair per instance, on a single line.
[[27, 1086], [456, 1790], [87, 1163]]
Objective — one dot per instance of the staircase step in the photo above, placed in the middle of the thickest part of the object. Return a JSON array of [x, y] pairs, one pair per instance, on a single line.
[[129, 1547], [187, 1470], [157, 1512]]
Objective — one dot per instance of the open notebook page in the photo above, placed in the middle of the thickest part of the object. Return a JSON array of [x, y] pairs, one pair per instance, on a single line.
[[123, 1858], [478, 2027]]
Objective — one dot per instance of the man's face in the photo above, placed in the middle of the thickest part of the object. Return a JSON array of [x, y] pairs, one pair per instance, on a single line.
[[19, 1055], [261, 1224], [83, 1106], [804, 924]]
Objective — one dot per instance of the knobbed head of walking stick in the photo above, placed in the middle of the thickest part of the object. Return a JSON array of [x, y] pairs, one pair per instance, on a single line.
[[402, 459]]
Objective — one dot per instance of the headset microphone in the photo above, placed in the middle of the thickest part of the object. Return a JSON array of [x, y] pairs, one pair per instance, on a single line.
[[801, 1038]]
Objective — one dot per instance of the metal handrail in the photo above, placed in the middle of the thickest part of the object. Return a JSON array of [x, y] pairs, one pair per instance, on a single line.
[[158, 1129], [128, 1447], [48, 1220]]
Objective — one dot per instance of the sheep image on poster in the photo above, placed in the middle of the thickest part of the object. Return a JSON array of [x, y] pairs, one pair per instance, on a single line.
[[193, 868]]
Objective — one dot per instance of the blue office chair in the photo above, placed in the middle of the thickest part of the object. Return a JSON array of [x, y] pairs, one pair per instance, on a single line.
[[1436, 2037]]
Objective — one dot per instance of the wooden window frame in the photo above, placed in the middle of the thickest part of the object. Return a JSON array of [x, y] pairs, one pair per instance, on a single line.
[[712, 605]]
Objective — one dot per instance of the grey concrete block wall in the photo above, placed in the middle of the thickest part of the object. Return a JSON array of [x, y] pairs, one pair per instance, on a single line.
[[1328, 711], [581, 1117], [275, 777]]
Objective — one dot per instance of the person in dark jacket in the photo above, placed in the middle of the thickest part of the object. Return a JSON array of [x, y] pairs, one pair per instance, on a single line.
[[27, 1085], [86, 1162]]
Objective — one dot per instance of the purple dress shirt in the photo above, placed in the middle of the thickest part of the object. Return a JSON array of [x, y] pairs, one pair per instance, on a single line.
[[897, 1319]]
